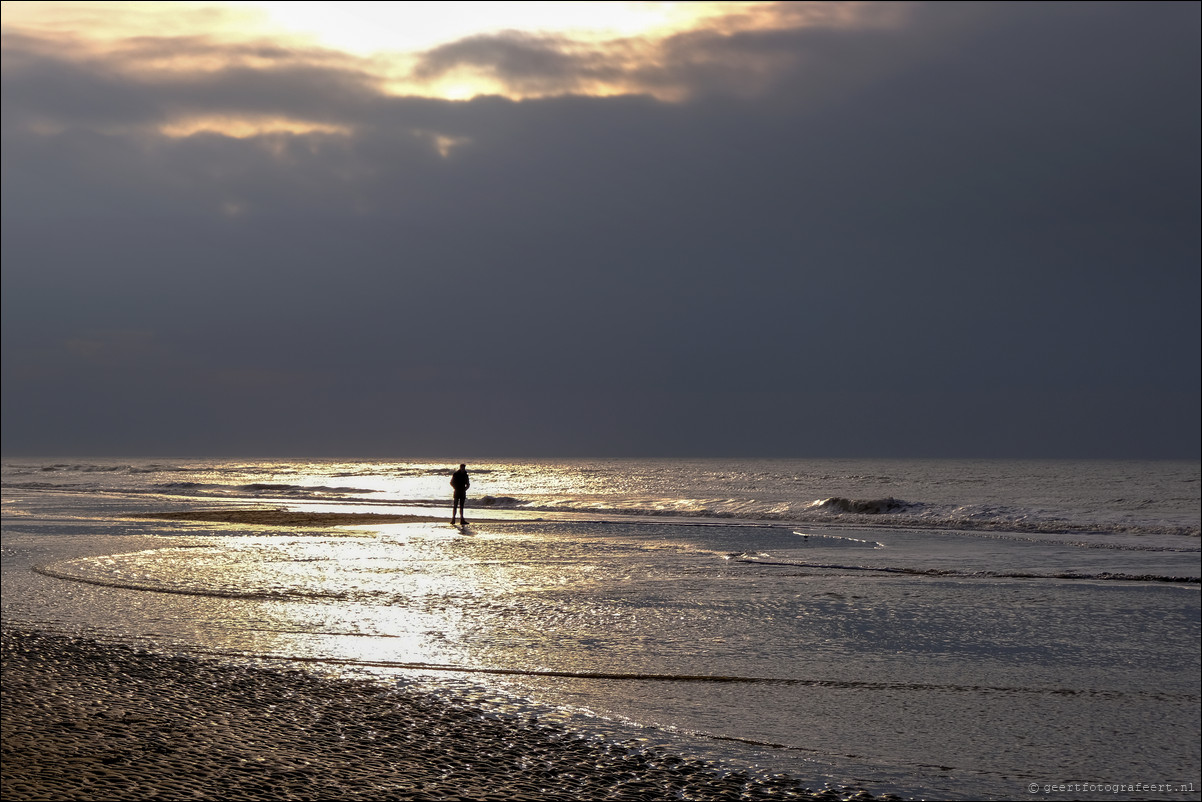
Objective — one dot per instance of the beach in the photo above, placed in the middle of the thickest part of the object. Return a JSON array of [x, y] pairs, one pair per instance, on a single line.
[[625, 629], [86, 720]]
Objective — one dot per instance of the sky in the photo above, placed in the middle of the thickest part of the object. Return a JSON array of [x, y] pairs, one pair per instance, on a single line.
[[601, 229]]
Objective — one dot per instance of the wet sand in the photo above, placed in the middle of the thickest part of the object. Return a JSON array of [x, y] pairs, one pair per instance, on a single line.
[[89, 720]]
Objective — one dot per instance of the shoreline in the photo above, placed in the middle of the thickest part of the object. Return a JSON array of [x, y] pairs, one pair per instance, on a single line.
[[84, 719]]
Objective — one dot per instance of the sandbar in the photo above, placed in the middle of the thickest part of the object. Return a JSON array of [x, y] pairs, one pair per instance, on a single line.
[[278, 517]]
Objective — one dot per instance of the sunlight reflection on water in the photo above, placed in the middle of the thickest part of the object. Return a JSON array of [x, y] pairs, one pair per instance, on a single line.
[[815, 645]]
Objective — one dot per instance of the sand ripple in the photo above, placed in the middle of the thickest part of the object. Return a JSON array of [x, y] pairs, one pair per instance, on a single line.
[[85, 720]]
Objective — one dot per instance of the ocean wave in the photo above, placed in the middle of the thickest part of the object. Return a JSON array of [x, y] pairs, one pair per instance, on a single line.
[[500, 501], [877, 506], [1127, 516], [258, 488], [885, 513], [39, 486], [64, 467]]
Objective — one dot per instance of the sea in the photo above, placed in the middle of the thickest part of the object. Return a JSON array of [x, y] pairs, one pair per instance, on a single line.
[[939, 629]]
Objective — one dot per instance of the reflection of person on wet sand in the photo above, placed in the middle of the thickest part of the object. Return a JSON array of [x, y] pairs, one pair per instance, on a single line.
[[460, 483]]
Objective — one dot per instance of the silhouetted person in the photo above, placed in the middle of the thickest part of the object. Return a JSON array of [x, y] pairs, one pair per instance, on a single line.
[[460, 483]]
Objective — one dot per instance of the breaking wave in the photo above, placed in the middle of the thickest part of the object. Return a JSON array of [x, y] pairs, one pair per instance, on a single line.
[[879, 506], [500, 501]]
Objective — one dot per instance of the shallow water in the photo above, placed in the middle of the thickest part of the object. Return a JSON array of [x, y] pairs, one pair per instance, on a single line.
[[943, 663]]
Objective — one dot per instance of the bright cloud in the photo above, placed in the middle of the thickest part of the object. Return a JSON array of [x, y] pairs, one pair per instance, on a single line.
[[437, 49]]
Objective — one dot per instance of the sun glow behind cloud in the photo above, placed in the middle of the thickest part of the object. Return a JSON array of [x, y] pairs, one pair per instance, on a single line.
[[377, 31], [438, 50], [372, 28]]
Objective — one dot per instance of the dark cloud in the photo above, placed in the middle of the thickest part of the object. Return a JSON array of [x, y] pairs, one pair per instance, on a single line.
[[521, 58], [960, 231], [742, 54], [47, 89]]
